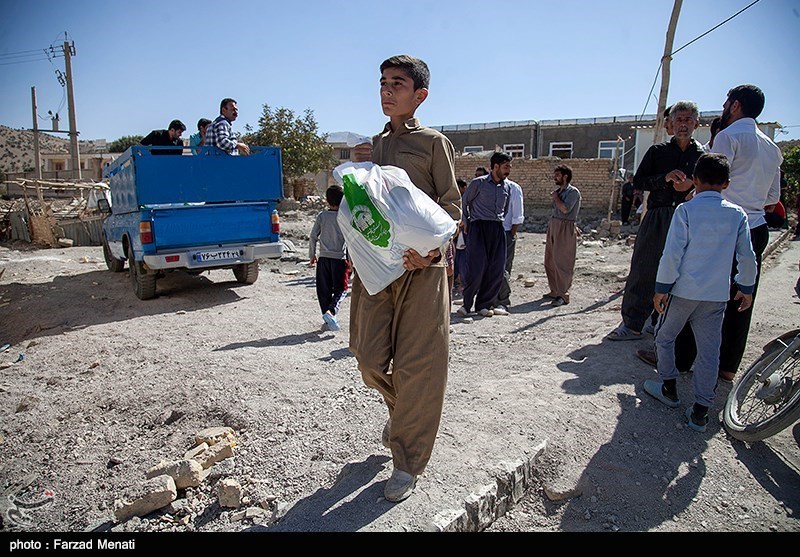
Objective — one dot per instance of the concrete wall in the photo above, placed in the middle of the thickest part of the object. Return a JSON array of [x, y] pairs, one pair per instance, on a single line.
[[586, 139], [591, 176]]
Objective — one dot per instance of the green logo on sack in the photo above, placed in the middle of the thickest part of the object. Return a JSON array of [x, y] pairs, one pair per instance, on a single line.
[[367, 218]]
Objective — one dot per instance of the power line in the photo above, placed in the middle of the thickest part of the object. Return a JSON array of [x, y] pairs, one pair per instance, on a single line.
[[658, 71], [23, 54], [715, 27], [23, 61]]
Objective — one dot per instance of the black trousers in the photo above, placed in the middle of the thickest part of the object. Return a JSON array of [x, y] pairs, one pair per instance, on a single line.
[[504, 296], [486, 262], [333, 279], [637, 301], [735, 325], [625, 209]]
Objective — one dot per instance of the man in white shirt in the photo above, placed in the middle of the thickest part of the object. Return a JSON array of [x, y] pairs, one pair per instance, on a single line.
[[754, 184], [515, 216]]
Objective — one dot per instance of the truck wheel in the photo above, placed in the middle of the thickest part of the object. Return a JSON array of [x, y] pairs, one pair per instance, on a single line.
[[113, 264], [247, 273], [144, 283]]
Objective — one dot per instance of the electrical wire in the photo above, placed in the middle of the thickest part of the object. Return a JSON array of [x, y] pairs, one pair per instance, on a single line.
[[23, 61], [715, 27], [661, 64], [23, 54]]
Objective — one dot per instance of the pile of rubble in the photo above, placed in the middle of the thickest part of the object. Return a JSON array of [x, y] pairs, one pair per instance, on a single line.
[[207, 463]]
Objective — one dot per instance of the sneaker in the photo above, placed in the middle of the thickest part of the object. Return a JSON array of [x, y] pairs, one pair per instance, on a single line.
[[648, 357], [549, 296], [329, 318], [324, 328], [697, 423], [558, 302], [485, 312], [655, 389], [649, 329], [623, 332], [726, 376], [399, 486], [500, 310], [387, 429], [462, 311]]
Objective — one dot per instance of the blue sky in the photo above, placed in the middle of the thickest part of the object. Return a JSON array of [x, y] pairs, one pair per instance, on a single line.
[[141, 64]]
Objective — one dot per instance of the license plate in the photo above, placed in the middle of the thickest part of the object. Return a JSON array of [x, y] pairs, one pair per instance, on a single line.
[[218, 255]]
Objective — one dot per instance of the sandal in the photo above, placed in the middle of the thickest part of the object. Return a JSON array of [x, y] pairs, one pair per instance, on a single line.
[[623, 332]]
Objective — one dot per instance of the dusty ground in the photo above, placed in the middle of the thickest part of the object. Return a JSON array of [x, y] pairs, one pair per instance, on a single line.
[[108, 385]]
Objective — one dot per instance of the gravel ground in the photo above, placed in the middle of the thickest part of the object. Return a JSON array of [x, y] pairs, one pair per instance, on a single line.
[[97, 387]]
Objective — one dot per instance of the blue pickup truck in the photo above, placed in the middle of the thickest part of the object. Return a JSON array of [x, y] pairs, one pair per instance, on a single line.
[[200, 210]]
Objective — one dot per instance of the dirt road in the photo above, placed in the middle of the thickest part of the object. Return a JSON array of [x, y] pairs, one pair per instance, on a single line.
[[98, 386]]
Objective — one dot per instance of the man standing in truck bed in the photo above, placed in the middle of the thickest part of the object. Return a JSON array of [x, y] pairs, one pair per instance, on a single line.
[[166, 138], [220, 132]]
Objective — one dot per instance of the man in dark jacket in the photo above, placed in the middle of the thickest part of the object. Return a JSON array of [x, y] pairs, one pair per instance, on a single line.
[[168, 137], [665, 172]]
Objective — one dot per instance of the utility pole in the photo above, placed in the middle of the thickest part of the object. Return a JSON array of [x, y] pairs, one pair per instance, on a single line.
[[73, 127], [36, 157], [665, 63], [658, 136]]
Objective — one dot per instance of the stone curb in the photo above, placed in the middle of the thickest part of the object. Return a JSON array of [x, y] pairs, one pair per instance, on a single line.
[[777, 243], [490, 502]]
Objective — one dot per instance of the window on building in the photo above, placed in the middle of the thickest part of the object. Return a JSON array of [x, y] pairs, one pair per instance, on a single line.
[[344, 154], [473, 148], [58, 165], [561, 149], [516, 150], [605, 150]]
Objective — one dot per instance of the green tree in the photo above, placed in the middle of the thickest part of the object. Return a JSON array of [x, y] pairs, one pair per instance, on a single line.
[[303, 149], [791, 171], [121, 144]]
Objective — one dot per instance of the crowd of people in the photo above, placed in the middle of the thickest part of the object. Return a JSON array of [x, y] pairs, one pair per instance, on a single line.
[[693, 277], [691, 234]]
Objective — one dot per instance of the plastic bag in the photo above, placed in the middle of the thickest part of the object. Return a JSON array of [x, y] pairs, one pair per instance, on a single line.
[[381, 216]]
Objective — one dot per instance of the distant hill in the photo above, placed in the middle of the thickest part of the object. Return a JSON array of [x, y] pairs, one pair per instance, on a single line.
[[786, 145], [16, 148]]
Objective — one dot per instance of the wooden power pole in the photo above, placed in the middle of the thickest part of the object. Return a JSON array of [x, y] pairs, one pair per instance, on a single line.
[[73, 127], [36, 154], [665, 63], [658, 136]]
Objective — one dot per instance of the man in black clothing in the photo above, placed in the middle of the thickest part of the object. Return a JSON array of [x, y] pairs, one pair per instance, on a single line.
[[168, 137], [666, 172], [627, 199]]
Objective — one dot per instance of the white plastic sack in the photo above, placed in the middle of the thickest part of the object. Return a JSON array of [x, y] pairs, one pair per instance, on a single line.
[[382, 215]]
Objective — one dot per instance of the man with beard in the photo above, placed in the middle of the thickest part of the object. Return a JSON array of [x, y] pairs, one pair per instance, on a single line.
[[666, 173], [754, 184], [562, 239], [483, 206], [166, 138]]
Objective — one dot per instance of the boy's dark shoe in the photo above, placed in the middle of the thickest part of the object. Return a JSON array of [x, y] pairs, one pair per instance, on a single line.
[[657, 390], [648, 357], [696, 420]]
